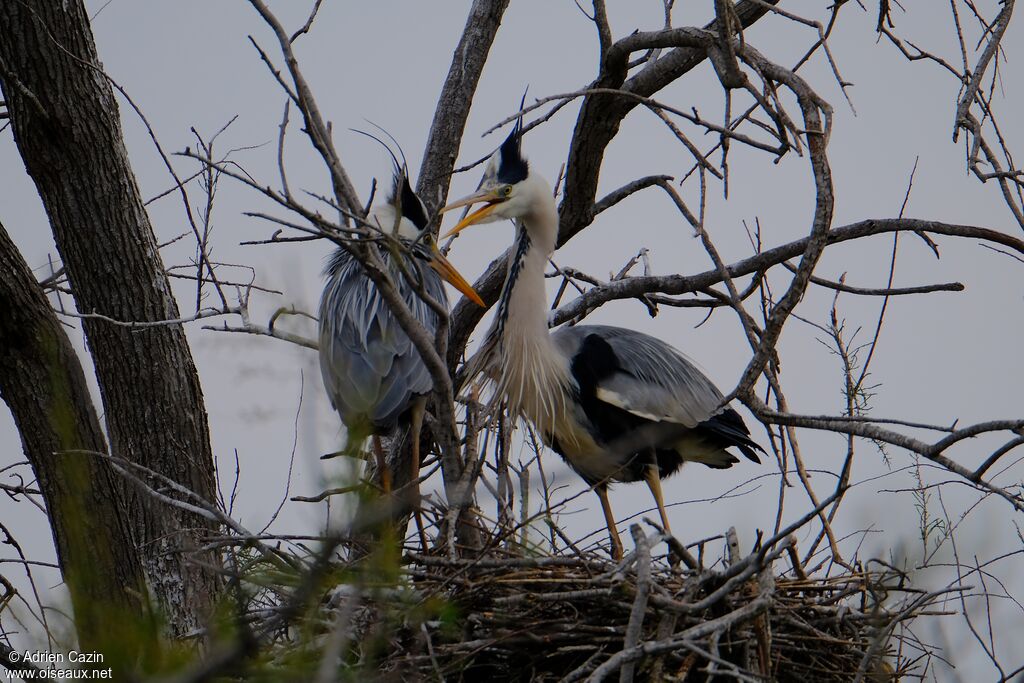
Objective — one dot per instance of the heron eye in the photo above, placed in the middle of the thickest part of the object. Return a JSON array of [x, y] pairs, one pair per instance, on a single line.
[[508, 191]]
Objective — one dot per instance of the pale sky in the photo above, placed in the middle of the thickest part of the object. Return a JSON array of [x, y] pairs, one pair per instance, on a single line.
[[941, 358]]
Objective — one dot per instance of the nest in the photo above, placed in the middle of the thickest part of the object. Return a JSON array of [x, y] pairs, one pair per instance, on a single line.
[[586, 618]]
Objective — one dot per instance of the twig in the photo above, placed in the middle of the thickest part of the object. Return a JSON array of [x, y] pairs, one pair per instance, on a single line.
[[643, 588]]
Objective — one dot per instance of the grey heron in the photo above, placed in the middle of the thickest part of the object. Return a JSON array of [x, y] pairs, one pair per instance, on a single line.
[[618, 405], [374, 375]]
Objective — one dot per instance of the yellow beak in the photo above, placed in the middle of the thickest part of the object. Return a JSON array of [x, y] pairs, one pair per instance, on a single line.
[[446, 270], [489, 196]]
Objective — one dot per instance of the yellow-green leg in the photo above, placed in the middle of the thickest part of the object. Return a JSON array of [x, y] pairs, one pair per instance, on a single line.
[[418, 408], [609, 519], [653, 479], [382, 465]]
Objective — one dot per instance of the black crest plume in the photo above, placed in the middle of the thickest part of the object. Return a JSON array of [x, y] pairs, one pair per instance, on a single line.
[[513, 167], [402, 193], [412, 207]]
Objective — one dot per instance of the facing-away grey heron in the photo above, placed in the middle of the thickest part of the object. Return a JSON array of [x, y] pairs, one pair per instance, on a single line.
[[616, 404], [374, 375]]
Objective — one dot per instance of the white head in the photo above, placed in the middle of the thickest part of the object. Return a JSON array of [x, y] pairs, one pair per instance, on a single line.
[[405, 216], [403, 204], [510, 190]]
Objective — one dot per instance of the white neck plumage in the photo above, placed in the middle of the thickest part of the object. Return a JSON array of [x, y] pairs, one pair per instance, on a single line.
[[531, 373]]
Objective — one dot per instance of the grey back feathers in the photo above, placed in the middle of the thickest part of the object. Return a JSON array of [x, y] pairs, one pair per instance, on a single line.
[[370, 367], [655, 380]]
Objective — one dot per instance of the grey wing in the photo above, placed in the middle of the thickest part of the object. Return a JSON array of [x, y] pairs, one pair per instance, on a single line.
[[654, 380], [370, 367]]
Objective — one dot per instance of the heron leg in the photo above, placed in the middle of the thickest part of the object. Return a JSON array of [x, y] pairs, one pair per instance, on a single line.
[[382, 465], [653, 479], [676, 550], [418, 408], [609, 520]]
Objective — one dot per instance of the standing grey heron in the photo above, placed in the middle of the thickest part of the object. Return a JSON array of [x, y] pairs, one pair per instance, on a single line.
[[616, 404], [374, 375]]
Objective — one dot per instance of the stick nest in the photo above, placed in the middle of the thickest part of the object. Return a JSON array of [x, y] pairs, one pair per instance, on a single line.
[[586, 618]]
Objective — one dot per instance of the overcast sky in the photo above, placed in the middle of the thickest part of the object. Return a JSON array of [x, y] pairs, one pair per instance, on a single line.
[[941, 358]]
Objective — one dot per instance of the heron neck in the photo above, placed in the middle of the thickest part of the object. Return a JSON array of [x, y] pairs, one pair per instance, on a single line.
[[522, 309], [532, 375], [523, 298]]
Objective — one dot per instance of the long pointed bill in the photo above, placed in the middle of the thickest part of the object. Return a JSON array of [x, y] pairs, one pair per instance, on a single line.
[[472, 218], [446, 270], [486, 196]]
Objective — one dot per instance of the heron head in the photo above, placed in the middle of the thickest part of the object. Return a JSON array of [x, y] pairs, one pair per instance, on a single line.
[[508, 189], [408, 202], [405, 216]]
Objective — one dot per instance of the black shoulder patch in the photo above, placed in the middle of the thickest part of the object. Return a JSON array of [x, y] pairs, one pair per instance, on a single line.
[[594, 361]]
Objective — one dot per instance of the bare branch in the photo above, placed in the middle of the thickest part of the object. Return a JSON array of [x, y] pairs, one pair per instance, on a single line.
[[679, 284], [449, 123]]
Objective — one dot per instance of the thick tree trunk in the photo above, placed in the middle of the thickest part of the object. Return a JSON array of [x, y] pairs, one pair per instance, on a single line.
[[67, 128], [42, 382]]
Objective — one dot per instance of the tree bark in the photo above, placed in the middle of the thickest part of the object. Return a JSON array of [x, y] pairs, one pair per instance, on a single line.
[[67, 128], [452, 111], [42, 382]]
